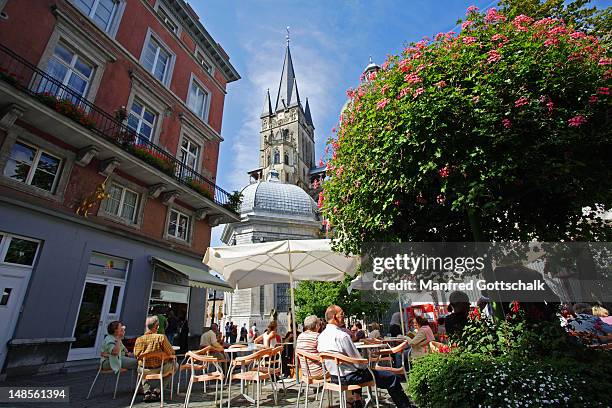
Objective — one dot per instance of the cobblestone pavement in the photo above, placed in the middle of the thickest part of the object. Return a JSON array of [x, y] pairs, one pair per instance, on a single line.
[[102, 396]]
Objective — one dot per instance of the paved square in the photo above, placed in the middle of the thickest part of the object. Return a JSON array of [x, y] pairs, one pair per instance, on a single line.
[[102, 395]]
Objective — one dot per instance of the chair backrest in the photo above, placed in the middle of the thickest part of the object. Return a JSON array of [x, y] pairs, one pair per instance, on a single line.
[[400, 347], [303, 358], [340, 359], [161, 355]]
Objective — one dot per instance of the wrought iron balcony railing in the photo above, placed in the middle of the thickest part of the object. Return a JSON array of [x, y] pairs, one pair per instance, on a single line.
[[28, 78]]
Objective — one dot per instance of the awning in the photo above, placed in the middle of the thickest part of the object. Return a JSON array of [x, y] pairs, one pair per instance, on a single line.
[[198, 277]]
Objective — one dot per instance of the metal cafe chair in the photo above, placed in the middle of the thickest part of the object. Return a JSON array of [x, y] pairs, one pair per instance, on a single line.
[[339, 360], [143, 375], [251, 370], [273, 364], [199, 362], [185, 367], [109, 371], [386, 356], [306, 377]]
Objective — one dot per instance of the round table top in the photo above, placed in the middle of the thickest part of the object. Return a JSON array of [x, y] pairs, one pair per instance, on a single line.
[[248, 349], [366, 346]]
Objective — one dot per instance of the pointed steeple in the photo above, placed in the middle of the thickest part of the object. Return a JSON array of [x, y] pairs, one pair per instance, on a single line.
[[287, 90], [267, 109], [307, 115]]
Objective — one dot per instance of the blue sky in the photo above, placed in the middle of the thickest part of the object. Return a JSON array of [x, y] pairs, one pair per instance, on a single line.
[[331, 42]]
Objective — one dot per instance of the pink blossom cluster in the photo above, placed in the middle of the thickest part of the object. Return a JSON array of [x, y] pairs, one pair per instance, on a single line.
[[382, 103], [577, 121], [603, 90], [522, 101], [469, 40], [466, 24], [493, 16], [471, 10], [493, 56], [384, 89], [403, 92], [520, 22], [418, 92], [506, 123], [440, 199], [440, 84], [412, 78], [445, 171]]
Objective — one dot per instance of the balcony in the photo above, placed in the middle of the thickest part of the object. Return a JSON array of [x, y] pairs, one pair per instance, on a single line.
[[42, 101]]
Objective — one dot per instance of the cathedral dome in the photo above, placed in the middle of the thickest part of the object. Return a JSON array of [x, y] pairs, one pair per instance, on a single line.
[[272, 198]]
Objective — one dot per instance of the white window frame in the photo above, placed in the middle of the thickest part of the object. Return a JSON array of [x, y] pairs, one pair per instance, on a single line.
[[4, 246], [92, 13], [34, 166], [71, 70], [124, 189], [189, 231], [194, 81], [141, 119], [160, 7], [204, 61], [167, 79]]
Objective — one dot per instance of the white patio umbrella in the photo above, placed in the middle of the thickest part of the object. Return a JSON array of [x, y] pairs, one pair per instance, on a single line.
[[251, 265]]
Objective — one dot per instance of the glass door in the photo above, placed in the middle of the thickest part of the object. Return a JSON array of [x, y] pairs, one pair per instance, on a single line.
[[100, 304]]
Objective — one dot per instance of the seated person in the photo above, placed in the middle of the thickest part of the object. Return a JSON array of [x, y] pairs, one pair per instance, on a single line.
[[307, 341], [424, 335], [113, 352], [334, 340], [212, 338], [357, 332], [586, 324], [270, 338], [375, 331], [602, 313], [152, 342]]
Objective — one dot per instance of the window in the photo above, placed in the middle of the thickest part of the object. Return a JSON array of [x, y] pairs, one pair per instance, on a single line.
[[276, 157], [71, 70], [178, 227], [121, 203], [286, 159], [33, 166], [19, 251], [100, 11], [262, 300], [203, 61], [156, 59], [190, 153], [107, 266], [282, 297], [198, 100], [142, 119], [6, 293], [167, 20]]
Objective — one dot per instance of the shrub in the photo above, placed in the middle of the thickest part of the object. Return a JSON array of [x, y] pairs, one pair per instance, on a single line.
[[200, 187], [472, 380]]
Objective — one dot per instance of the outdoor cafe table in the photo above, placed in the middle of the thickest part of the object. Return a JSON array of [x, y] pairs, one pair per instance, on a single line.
[[368, 347]]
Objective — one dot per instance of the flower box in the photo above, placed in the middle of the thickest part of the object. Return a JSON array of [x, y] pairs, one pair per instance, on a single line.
[[200, 187], [154, 158], [67, 108]]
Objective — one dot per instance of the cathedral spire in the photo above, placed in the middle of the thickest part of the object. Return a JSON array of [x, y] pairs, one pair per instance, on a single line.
[[267, 109], [307, 115], [286, 95]]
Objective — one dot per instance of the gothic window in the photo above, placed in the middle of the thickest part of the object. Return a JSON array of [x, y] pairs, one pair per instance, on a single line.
[[276, 157], [286, 159], [282, 297]]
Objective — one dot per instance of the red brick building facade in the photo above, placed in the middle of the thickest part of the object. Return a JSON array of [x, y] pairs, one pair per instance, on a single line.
[[128, 93]]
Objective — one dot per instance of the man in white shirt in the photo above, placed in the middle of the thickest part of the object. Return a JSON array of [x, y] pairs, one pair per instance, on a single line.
[[335, 340]]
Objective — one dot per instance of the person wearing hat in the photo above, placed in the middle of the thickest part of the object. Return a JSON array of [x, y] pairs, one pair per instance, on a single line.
[[456, 321]]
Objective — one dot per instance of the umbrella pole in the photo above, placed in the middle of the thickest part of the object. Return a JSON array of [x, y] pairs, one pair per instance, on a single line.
[[401, 311], [293, 326]]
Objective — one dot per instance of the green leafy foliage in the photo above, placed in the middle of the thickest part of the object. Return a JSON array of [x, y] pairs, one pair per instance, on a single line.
[[470, 380], [313, 297], [499, 133]]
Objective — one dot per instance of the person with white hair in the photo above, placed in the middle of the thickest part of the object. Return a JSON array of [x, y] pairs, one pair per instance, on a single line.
[[153, 342], [307, 341]]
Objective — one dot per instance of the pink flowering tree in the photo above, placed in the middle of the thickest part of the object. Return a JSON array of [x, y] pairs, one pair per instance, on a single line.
[[501, 132]]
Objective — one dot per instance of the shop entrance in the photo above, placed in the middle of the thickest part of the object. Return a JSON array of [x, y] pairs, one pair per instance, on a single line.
[[100, 304]]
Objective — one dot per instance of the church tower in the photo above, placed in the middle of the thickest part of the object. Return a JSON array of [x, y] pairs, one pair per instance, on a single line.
[[287, 144]]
